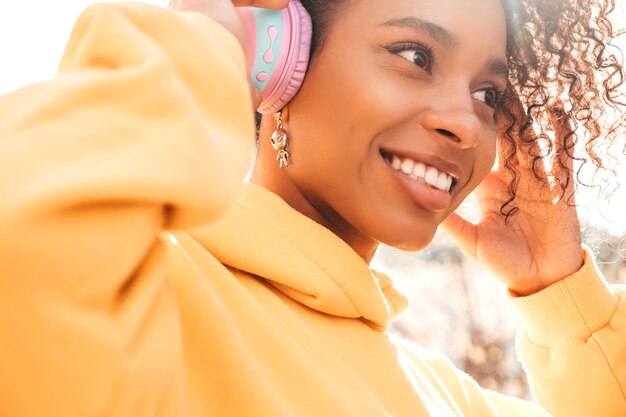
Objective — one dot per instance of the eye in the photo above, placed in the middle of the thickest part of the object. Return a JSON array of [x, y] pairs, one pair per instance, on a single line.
[[420, 55], [419, 58], [490, 96]]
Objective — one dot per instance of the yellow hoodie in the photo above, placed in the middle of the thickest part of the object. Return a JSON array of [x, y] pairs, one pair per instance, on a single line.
[[123, 292]]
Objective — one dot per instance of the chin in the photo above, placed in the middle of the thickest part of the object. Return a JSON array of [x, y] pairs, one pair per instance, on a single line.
[[408, 238]]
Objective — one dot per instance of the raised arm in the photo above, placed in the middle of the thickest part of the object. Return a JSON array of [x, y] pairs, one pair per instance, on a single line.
[[573, 347], [573, 344], [147, 126]]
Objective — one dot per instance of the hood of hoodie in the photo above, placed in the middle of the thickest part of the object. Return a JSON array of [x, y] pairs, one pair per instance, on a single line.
[[262, 235]]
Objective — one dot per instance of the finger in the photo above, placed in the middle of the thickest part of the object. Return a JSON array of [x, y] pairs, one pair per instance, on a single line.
[[203, 5], [222, 12], [492, 192], [528, 150], [563, 136], [564, 155], [504, 146], [507, 130], [463, 232], [264, 4]]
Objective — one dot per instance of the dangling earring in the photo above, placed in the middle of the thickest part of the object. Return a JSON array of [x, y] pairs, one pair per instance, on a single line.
[[279, 141]]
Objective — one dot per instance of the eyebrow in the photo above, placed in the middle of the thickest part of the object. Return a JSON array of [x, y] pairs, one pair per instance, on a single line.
[[498, 67], [439, 33], [495, 66]]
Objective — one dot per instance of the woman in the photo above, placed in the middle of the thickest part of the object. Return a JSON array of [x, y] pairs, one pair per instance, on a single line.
[[259, 301]]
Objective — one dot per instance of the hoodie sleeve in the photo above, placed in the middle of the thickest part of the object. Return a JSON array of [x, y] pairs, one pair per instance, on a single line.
[[147, 126], [573, 345]]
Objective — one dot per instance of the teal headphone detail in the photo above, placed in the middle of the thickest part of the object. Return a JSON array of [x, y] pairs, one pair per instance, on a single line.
[[278, 45]]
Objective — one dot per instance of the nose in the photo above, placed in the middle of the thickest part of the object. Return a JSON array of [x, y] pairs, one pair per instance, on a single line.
[[458, 125]]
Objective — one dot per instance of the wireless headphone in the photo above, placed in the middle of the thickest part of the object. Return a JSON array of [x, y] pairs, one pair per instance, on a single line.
[[278, 47]]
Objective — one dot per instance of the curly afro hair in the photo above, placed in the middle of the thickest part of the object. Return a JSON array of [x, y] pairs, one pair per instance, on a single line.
[[561, 56]]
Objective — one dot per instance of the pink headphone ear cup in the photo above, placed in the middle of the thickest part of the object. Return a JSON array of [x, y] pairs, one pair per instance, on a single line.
[[297, 61]]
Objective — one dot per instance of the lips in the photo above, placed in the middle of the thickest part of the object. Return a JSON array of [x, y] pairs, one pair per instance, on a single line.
[[427, 179], [427, 169]]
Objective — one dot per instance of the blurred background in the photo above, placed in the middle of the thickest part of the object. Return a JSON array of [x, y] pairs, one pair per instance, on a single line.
[[460, 310], [456, 308]]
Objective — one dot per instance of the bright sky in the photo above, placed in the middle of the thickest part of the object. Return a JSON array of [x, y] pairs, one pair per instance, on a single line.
[[33, 34]]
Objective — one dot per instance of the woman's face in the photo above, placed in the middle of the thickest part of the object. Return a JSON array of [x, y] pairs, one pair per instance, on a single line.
[[394, 124]]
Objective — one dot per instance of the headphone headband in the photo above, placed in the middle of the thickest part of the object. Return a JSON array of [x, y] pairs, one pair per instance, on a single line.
[[278, 46]]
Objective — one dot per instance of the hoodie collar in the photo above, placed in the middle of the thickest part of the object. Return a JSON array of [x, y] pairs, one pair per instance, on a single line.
[[262, 235]]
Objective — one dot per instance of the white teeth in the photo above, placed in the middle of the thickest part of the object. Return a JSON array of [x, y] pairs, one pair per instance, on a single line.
[[431, 177], [419, 170], [407, 166], [422, 172], [442, 182], [396, 163]]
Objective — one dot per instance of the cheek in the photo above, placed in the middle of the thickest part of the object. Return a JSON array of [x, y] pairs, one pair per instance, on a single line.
[[341, 110], [352, 91], [484, 159], [489, 157]]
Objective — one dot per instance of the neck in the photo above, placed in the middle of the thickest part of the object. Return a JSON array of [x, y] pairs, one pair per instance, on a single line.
[[267, 174]]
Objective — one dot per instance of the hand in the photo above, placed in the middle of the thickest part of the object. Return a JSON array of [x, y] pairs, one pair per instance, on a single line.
[[541, 243], [223, 12]]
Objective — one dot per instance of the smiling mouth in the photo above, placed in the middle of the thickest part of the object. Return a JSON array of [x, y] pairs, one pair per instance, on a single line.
[[420, 172]]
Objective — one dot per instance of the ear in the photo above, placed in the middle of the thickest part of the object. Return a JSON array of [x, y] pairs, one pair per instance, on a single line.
[[285, 113]]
